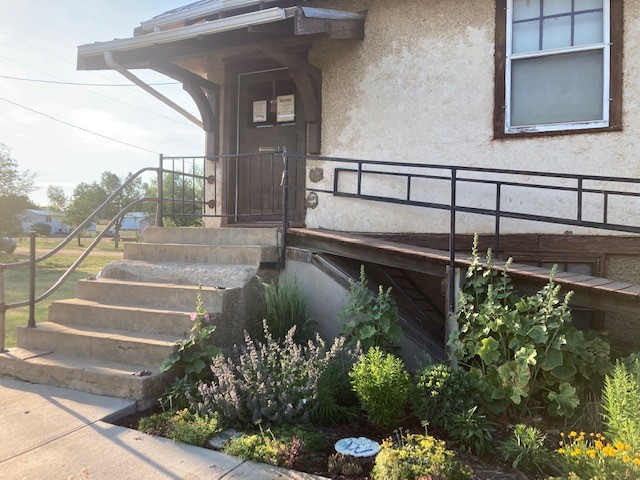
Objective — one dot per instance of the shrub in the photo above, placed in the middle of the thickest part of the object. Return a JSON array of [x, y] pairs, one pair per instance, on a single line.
[[524, 350], [286, 306], [41, 229], [339, 464], [416, 456], [268, 381], [593, 457], [282, 447], [621, 405], [442, 392], [371, 320], [525, 450], [382, 385], [472, 431], [192, 357], [182, 426]]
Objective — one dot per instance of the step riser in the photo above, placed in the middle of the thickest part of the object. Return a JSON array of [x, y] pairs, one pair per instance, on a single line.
[[149, 296], [201, 254], [213, 236], [178, 324], [144, 390], [84, 346]]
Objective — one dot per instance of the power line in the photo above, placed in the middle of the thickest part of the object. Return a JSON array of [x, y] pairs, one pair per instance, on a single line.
[[97, 93], [83, 84], [78, 127]]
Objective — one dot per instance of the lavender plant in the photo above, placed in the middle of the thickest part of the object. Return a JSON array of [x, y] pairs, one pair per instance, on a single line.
[[272, 382]]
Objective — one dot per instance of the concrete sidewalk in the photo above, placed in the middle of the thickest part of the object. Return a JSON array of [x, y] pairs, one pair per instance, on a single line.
[[56, 433]]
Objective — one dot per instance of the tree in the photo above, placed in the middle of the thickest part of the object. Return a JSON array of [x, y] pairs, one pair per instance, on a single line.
[[86, 198], [58, 200], [15, 187]]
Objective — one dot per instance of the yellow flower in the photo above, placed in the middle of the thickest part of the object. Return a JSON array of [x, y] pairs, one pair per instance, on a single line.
[[576, 452], [626, 458], [608, 450], [598, 444], [561, 443], [592, 434], [561, 452], [636, 462], [628, 448], [591, 453], [562, 434], [619, 446], [573, 434]]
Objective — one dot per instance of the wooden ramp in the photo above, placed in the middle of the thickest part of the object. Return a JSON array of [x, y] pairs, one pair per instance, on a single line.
[[589, 292]]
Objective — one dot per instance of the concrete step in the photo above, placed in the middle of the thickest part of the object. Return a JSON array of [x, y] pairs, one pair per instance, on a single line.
[[87, 313], [213, 254], [119, 346], [264, 237], [149, 294], [227, 276], [88, 375]]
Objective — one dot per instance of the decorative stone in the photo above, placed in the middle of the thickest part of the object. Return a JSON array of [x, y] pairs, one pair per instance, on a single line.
[[357, 447], [217, 442], [316, 174], [312, 200]]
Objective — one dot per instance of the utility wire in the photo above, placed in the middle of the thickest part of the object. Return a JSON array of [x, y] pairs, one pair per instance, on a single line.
[[142, 92], [83, 84], [97, 93], [78, 127]]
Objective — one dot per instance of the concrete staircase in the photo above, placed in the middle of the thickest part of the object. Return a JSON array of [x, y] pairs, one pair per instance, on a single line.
[[112, 338]]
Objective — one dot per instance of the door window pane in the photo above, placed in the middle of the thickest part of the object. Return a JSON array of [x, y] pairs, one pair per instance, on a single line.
[[554, 7], [588, 28], [556, 32], [588, 4], [525, 9], [557, 89], [526, 37]]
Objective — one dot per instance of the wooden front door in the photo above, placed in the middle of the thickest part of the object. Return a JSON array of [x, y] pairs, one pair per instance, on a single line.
[[270, 117]]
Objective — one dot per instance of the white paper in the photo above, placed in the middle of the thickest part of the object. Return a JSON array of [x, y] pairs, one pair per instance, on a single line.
[[260, 111], [286, 108]]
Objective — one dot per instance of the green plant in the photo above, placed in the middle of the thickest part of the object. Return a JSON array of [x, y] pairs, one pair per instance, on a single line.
[[339, 464], [270, 381], [442, 392], [286, 306], [472, 431], [192, 356], [181, 426], [382, 386], [524, 350], [371, 320], [593, 457], [281, 447], [525, 450], [621, 405], [417, 456], [41, 229]]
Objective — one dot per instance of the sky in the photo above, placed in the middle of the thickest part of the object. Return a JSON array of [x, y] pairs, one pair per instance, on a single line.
[[62, 155]]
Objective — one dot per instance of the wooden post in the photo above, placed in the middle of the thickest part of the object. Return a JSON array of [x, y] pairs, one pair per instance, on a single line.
[[451, 322], [2, 310]]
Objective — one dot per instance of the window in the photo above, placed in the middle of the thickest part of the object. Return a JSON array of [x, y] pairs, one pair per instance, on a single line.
[[558, 69]]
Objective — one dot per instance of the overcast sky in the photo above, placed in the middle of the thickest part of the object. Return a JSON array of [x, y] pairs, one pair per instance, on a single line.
[[59, 154]]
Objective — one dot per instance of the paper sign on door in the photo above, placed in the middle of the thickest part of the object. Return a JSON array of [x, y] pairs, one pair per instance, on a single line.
[[286, 108], [260, 111]]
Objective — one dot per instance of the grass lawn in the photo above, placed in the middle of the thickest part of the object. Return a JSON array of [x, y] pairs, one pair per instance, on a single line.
[[16, 281]]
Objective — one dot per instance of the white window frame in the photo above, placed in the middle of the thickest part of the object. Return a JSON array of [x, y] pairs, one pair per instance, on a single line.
[[605, 46]]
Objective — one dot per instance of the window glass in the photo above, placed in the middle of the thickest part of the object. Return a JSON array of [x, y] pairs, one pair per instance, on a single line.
[[554, 7], [588, 4], [526, 37], [526, 9], [557, 89], [556, 32], [588, 28]]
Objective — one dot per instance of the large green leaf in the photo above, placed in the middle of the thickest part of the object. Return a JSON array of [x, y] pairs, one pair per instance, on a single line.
[[566, 371], [552, 359], [563, 402], [489, 350]]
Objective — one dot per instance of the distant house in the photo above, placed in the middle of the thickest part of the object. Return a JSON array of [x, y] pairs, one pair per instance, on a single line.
[[133, 221], [55, 220]]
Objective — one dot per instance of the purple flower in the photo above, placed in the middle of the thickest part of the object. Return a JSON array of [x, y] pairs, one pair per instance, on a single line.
[[206, 316]]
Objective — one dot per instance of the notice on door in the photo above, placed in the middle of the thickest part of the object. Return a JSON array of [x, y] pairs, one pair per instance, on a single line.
[[286, 108], [260, 111]]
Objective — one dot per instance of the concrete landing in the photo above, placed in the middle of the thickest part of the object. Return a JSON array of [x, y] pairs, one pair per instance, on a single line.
[[56, 433]]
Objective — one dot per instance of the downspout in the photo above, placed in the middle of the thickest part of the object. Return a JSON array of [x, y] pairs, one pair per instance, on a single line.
[[109, 60]]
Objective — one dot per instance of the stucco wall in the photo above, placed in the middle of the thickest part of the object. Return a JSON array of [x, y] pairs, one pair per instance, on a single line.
[[420, 88]]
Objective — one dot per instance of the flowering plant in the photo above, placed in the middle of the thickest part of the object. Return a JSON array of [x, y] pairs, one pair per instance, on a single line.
[[592, 456]]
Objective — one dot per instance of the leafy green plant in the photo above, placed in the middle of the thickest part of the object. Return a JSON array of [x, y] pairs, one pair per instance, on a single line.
[[192, 356], [280, 447], [524, 350], [525, 450], [382, 386], [339, 464], [472, 431], [181, 426], [273, 382], [417, 456], [286, 306], [442, 392], [621, 405], [592, 456], [371, 320]]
